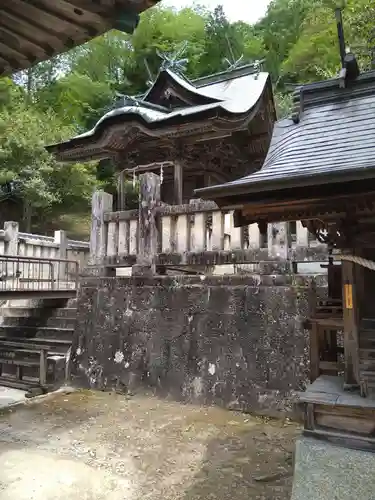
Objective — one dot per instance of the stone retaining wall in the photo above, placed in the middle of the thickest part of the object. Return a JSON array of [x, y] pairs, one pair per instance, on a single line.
[[236, 341]]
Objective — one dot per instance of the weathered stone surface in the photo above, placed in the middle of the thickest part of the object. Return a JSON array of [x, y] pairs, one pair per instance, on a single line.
[[327, 472], [222, 340]]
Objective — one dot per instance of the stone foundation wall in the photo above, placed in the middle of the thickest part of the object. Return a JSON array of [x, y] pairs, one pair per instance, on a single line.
[[234, 341]]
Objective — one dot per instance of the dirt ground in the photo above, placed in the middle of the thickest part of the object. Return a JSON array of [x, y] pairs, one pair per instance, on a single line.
[[94, 446]]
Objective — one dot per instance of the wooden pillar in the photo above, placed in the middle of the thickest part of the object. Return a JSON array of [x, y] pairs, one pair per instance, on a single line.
[[350, 304], [149, 188], [178, 183], [314, 352], [101, 203]]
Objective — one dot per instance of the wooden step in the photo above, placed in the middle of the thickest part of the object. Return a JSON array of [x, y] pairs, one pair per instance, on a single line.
[[333, 323], [367, 354], [327, 367]]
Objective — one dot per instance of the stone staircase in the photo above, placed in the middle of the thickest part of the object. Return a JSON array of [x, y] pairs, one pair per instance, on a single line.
[[35, 341]]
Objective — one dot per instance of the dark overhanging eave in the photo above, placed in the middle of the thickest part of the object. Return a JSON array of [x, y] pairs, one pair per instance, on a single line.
[[231, 190]]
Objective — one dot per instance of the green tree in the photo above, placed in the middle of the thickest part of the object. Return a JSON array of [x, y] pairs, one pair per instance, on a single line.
[[29, 173], [222, 42], [76, 99], [315, 55], [281, 28]]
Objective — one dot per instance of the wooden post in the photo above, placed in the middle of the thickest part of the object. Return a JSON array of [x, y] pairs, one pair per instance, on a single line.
[[278, 240], [148, 226], [101, 203], [314, 352], [11, 238], [351, 348], [178, 183], [61, 240]]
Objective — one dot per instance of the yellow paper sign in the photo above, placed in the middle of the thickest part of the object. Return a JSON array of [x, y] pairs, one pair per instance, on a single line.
[[348, 296]]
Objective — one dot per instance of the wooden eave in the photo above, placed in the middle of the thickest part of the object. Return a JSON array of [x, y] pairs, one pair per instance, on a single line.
[[351, 205], [35, 30]]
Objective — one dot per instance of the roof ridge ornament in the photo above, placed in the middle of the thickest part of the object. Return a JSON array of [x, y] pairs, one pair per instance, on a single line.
[[349, 65], [174, 61], [233, 63]]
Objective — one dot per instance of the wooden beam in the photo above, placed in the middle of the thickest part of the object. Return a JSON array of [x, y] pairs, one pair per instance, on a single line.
[[72, 13], [45, 19], [19, 42], [16, 55], [150, 167], [33, 32]]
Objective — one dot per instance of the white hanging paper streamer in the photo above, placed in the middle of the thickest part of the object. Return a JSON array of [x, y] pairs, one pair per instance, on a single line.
[[161, 174]]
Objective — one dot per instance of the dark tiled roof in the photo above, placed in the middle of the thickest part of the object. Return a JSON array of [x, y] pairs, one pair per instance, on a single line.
[[333, 140]]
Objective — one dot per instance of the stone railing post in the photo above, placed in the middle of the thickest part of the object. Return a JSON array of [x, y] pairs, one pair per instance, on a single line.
[[61, 240], [148, 224], [302, 235], [101, 203], [11, 238], [279, 240], [10, 247]]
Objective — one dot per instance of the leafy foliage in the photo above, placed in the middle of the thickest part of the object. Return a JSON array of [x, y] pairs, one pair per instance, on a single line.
[[27, 171]]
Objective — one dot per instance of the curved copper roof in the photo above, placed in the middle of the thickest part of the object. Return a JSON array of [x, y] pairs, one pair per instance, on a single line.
[[226, 104], [35, 30]]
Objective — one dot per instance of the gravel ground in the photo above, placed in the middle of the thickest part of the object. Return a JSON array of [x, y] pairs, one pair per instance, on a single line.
[[92, 446]]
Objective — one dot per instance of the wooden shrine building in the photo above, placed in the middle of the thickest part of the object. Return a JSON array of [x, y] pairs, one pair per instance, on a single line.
[[320, 169], [35, 30], [193, 133]]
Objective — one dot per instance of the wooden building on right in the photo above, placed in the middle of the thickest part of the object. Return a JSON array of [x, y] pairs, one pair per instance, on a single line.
[[320, 169]]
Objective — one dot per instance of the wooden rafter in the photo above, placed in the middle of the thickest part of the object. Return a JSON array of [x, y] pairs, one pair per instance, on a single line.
[[35, 30]]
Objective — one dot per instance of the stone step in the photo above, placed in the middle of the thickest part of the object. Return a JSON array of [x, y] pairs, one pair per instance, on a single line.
[[46, 332], [23, 385], [57, 346], [40, 321], [26, 312]]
